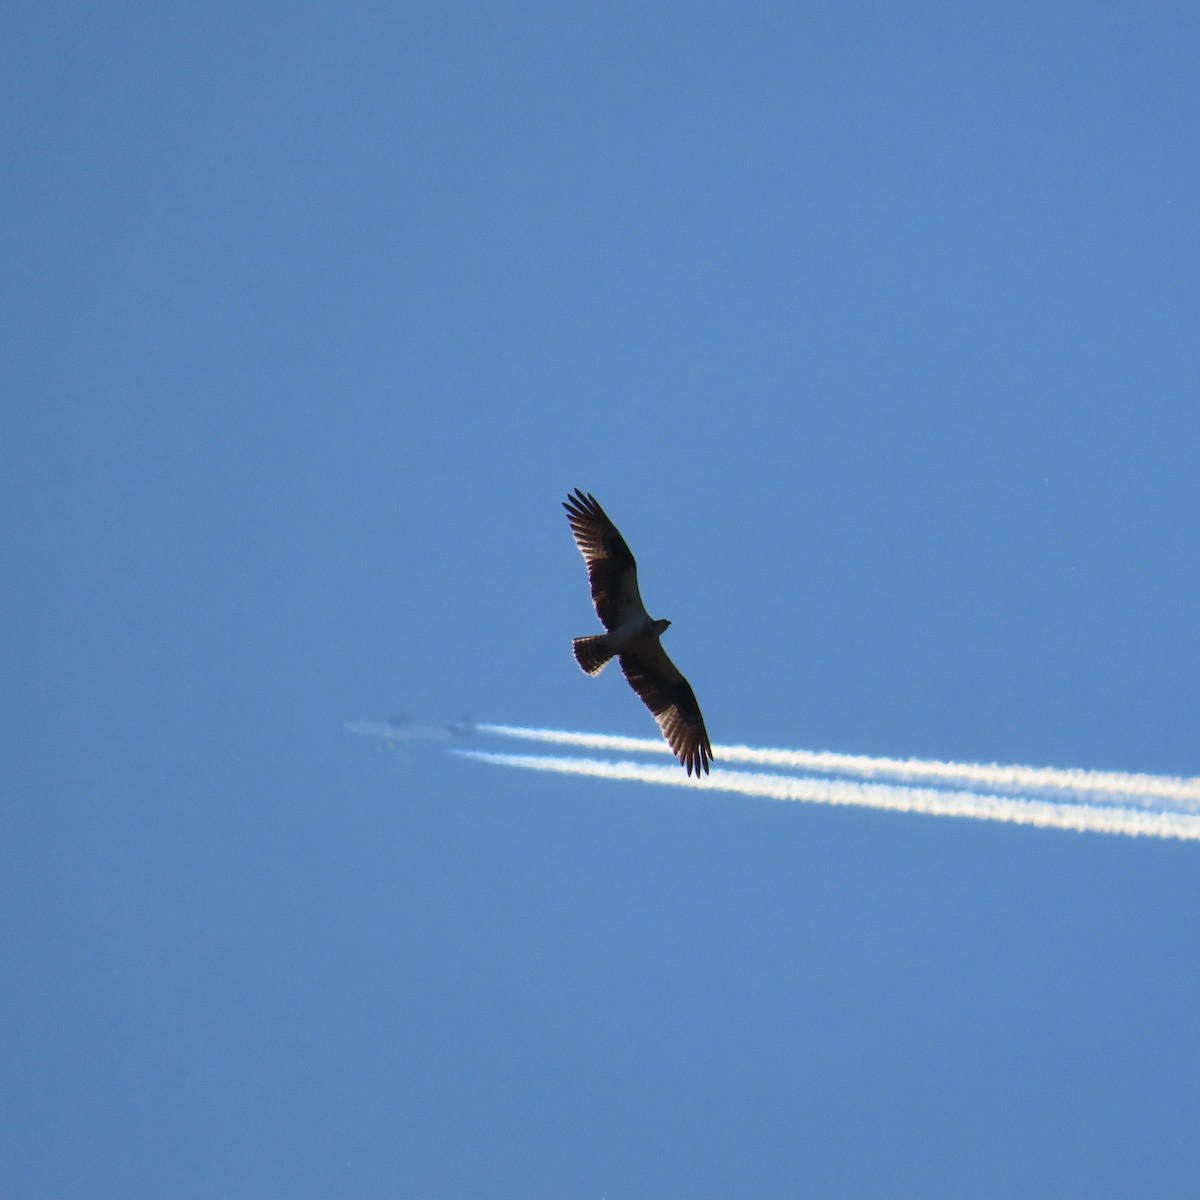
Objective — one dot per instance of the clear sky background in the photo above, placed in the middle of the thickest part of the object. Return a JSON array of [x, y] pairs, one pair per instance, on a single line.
[[874, 327]]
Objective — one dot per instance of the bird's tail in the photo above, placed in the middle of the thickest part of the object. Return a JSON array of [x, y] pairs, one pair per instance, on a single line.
[[592, 653]]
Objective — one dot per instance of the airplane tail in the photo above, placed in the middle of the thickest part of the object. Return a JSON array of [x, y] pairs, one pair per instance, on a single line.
[[592, 653]]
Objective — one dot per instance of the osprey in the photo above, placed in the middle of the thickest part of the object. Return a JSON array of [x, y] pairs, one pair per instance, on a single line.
[[633, 634]]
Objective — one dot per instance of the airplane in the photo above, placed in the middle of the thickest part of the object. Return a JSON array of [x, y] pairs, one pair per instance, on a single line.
[[402, 732]]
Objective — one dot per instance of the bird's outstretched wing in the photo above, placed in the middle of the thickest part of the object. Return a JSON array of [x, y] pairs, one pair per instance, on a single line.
[[670, 698], [611, 566]]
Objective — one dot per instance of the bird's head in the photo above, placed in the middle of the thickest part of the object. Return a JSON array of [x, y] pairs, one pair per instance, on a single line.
[[661, 626]]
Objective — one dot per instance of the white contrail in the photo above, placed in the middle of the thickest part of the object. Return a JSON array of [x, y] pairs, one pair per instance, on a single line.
[[1045, 814], [1103, 787]]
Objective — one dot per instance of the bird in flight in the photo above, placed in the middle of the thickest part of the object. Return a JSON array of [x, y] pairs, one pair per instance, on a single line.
[[632, 634]]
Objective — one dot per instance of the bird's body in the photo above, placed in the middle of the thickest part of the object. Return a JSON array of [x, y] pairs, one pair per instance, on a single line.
[[632, 635]]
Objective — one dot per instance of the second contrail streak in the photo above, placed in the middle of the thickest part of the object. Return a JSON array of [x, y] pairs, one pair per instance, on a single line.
[[1107, 818]]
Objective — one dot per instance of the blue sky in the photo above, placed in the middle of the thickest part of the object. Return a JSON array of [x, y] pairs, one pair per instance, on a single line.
[[875, 330]]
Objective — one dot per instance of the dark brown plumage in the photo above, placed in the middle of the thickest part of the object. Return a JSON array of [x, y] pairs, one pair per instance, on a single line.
[[633, 635]]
